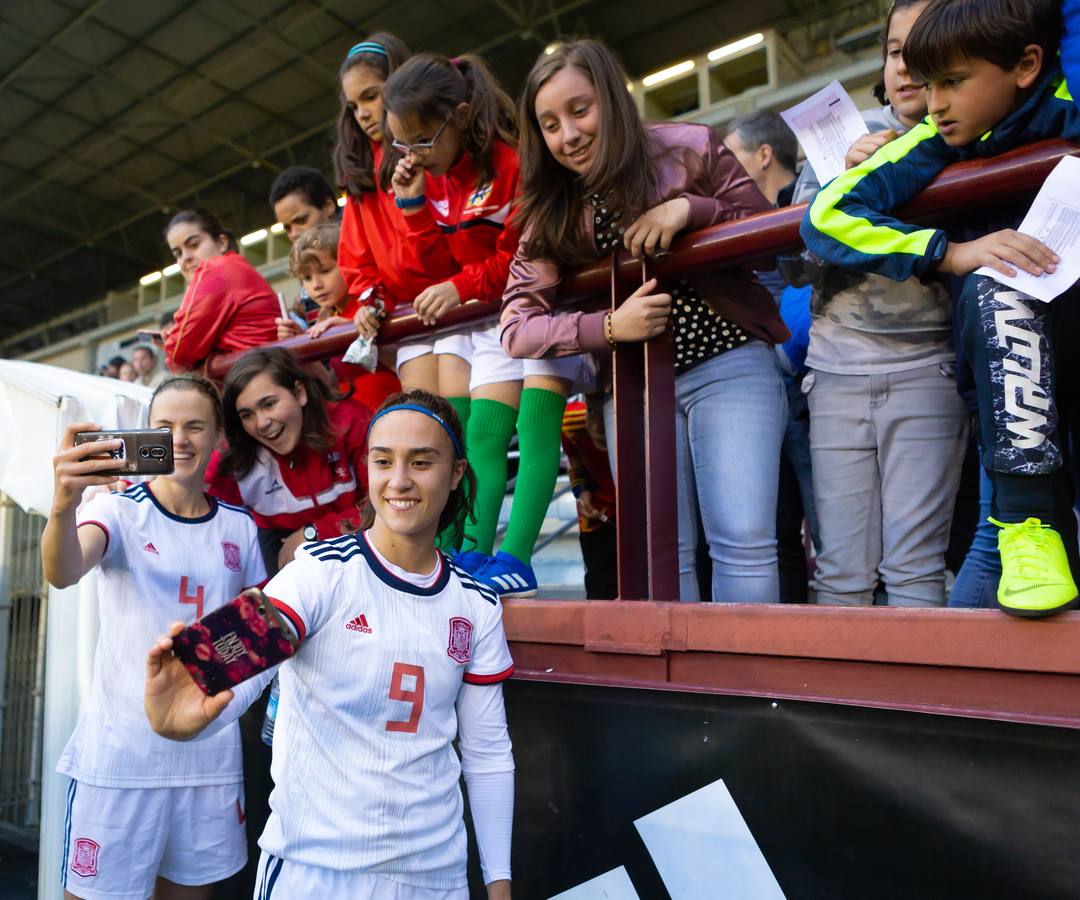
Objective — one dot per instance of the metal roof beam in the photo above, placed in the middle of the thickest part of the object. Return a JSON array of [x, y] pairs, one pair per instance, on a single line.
[[31, 57], [114, 227], [151, 99]]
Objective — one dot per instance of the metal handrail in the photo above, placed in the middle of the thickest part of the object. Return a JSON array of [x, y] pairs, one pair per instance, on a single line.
[[963, 186], [644, 440]]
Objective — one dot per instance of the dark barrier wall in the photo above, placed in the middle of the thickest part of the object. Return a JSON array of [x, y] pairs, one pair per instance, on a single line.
[[844, 801]]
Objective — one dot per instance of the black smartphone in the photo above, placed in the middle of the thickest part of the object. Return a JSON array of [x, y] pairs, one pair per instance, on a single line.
[[145, 451], [235, 642]]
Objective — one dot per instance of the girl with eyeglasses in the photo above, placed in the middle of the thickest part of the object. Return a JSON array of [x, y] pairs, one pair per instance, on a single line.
[[456, 183]]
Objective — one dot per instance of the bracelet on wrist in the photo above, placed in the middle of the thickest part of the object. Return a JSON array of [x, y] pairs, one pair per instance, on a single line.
[[609, 334], [410, 202]]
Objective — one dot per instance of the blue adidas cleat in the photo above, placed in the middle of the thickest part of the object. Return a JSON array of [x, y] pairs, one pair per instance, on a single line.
[[472, 561], [509, 576]]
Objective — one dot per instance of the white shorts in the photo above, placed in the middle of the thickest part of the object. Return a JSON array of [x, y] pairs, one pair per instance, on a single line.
[[492, 365], [281, 879], [118, 840], [456, 344]]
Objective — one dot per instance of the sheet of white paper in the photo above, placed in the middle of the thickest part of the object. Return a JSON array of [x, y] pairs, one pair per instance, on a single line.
[[1054, 218], [613, 885], [703, 849], [826, 124]]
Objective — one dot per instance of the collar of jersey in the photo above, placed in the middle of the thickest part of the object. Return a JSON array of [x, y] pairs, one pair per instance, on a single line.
[[187, 521], [400, 584]]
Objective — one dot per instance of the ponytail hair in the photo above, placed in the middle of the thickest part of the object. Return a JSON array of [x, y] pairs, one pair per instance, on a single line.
[[550, 207], [205, 221], [354, 158], [431, 87]]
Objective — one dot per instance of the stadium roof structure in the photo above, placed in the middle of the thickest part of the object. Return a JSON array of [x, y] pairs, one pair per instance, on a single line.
[[116, 113]]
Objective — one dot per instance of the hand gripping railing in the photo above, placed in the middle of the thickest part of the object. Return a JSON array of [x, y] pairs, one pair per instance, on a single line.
[[644, 384]]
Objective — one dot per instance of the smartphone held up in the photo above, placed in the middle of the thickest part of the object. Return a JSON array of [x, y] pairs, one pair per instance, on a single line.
[[235, 642], [144, 451]]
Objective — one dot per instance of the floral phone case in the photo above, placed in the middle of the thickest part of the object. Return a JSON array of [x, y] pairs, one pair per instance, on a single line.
[[235, 642]]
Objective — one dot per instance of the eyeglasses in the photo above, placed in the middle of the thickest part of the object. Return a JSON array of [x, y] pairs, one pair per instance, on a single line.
[[424, 148]]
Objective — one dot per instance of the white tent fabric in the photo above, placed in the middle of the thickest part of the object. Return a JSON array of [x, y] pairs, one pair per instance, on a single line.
[[37, 403]]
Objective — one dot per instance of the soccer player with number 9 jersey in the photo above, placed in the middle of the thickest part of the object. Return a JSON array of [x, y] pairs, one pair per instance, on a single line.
[[401, 652], [146, 815]]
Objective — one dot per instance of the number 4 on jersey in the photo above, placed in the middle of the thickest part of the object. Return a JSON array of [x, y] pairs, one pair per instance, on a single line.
[[196, 598], [414, 695]]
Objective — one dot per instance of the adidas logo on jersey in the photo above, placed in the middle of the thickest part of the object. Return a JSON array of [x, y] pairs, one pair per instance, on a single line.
[[150, 548], [359, 624]]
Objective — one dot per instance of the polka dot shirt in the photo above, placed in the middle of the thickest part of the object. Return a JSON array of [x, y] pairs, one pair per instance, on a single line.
[[700, 334]]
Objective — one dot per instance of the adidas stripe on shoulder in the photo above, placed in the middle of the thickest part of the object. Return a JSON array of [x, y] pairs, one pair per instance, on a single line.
[[339, 549], [467, 581], [235, 508]]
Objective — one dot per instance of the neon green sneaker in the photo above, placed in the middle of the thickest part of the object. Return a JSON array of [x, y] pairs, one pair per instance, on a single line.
[[1035, 577]]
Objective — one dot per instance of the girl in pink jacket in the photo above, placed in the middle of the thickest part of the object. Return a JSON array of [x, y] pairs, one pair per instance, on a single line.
[[595, 179]]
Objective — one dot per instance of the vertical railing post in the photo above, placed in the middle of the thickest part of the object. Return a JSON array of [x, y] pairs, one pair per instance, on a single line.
[[662, 522], [628, 391], [645, 505]]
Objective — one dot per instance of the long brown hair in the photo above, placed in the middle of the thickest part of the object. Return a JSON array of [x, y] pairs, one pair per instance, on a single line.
[[316, 430], [552, 197], [354, 157], [459, 505], [431, 87]]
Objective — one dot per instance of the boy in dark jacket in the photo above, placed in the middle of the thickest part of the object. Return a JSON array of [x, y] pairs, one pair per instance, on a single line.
[[993, 84]]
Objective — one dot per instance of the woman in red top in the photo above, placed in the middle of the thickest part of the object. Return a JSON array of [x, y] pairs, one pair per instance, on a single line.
[[295, 454], [374, 246], [456, 184], [227, 306]]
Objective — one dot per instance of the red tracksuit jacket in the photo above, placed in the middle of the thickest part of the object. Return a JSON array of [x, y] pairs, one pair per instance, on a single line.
[[306, 487], [228, 306], [374, 249], [473, 221]]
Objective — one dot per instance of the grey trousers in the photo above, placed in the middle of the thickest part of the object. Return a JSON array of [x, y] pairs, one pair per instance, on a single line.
[[887, 452]]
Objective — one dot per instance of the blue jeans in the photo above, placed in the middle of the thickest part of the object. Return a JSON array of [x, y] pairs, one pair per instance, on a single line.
[[976, 584], [730, 414]]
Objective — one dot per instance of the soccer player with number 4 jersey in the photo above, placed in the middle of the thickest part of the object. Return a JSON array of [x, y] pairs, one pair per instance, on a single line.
[[147, 816], [401, 652]]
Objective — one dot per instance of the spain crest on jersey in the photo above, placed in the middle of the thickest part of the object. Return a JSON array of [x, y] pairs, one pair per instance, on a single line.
[[232, 556], [459, 647], [478, 197]]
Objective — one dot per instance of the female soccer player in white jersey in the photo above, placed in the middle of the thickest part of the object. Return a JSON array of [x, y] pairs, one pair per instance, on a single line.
[[401, 651], [146, 815]]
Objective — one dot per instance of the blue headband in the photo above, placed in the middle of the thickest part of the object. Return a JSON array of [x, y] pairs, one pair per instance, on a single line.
[[367, 47], [458, 453]]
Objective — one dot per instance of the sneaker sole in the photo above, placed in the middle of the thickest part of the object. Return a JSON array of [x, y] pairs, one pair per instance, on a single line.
[[1039, 613], [520, 595]]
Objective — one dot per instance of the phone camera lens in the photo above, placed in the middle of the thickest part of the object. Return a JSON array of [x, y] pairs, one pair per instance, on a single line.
[[144, 452]]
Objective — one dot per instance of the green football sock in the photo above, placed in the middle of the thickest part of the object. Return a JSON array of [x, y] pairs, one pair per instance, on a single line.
[[491, 425], [462, 406], [449, 538], [539, 429]]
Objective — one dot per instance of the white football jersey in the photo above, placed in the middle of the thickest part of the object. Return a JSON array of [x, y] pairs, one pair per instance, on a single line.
[[157, 568], [364, 772]]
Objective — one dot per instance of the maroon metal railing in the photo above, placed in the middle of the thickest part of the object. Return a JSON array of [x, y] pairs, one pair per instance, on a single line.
[[643, 377]]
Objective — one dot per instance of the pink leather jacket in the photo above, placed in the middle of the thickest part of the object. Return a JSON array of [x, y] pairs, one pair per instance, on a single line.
[[690, 162]]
